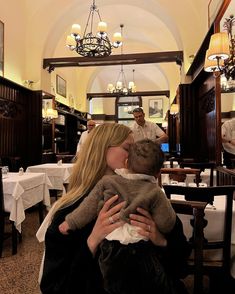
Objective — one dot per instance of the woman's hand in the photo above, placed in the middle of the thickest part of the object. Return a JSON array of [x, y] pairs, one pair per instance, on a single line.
[[107, 221], [147, 227]]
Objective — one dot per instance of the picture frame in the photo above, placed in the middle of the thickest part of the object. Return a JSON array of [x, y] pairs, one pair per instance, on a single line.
[[60, 86], [156, 108], [1, 48]]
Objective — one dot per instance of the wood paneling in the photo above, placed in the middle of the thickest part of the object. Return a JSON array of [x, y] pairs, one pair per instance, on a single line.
[[20, 122]]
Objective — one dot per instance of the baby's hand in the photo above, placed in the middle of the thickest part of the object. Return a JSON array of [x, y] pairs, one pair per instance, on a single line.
[[64, 227]]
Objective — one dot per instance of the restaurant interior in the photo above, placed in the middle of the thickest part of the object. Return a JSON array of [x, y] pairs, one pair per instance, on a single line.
[[70, 61]]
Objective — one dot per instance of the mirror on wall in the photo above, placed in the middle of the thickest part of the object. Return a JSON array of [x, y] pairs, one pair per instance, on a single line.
[[48, 114]]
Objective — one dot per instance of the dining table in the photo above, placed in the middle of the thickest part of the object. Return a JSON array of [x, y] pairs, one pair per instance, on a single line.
[[58, 173], [214, 214], [22, 191]]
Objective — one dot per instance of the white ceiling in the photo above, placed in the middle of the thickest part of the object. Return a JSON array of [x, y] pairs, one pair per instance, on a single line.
[[149, 26]]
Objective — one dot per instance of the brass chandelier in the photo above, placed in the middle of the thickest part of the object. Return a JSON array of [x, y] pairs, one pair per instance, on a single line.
[[89, 44], [121, 87], [220, 56]]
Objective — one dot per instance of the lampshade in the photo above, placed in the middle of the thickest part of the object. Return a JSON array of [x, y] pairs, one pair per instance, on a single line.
[[210, 65], [51, 113], [174, 109], [219, 46]]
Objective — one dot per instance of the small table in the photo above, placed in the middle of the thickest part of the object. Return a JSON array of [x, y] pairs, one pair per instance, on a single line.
[[58, 174], [24, 191], [214, 229]]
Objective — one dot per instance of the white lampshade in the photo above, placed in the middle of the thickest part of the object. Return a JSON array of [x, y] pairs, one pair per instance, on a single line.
[[117, 39], [102, 27], [70, 42], [211, 65], [219, 46], [131, 85], [110, 88], [76, 30], [51, 113], [119, 85], [174, 109]]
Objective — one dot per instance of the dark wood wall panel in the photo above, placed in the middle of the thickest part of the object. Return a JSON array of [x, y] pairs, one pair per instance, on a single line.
[[20, 123]]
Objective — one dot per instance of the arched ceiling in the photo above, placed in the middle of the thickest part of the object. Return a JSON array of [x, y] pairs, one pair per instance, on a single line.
[[149, 26]]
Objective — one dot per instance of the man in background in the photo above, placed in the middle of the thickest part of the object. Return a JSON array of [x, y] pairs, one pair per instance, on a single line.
[[143, 129], [91, 124]]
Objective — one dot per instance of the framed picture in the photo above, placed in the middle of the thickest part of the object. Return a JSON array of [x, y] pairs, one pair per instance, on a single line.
[[1, 48], [156, 108], [60, 86]]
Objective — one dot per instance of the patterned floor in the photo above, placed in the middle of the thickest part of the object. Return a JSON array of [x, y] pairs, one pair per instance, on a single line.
[[19, 273]]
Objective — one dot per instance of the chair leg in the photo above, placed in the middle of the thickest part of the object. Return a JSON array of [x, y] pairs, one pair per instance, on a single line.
[[40, 212], [14, 238], [2, 223]]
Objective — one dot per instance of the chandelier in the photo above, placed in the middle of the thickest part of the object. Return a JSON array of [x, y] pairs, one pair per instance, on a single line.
[[89, 44], [220, 56], [120, 86]]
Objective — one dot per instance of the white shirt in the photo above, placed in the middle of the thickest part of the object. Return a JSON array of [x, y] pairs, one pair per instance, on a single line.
[[148, 131], [228, 133], [82, 140]]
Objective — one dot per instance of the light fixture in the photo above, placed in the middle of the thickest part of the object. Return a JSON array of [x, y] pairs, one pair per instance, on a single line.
[[220, 56], [49, 113], [120, 86], [174, 109], [89, 44]]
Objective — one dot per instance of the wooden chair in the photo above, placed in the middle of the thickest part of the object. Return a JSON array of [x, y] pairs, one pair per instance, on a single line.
[[195, 209], [218, 271], [202, 166], [3, 216], [179, 174]]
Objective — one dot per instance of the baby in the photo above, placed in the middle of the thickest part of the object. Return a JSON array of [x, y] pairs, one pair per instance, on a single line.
[[136, 185]]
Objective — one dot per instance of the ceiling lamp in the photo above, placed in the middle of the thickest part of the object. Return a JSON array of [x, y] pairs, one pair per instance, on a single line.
[[120, 86], [89, 44], [220, 56]]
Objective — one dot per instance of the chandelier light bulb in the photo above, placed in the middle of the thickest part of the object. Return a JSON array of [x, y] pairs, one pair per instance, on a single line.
[[102, 28], [70, 42], [76, 31], [117, 39]]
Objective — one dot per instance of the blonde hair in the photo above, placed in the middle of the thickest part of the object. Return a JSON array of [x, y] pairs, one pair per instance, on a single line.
[[91, 164]]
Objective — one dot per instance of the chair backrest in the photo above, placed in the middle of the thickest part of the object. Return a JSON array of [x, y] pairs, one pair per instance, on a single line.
[[202, 166], [179, 174], [1, 193], [225, 176], [195, 209], [207, 195]]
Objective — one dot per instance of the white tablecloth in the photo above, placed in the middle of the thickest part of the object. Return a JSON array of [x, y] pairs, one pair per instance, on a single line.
[[57, 174], [214, 229], [24, 191], [205, 176]]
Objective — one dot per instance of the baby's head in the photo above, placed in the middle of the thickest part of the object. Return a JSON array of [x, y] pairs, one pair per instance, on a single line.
[[145, 157]]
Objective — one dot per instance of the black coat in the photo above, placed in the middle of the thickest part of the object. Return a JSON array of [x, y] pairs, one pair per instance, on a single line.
[[70, 268]]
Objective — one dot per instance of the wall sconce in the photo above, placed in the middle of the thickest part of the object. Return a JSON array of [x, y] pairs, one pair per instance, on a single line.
[[174, 110], [28, 83], [49, 113]]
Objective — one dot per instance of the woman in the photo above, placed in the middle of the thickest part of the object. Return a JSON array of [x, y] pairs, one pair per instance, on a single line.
[[71, 261]]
